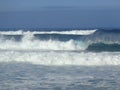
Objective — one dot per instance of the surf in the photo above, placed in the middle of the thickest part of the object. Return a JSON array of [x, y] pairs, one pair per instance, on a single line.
[[97, 48], [56, 58], [97, 41]]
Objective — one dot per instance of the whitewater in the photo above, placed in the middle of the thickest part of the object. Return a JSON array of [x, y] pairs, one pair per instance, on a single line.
[[60, 60], [74, 47]]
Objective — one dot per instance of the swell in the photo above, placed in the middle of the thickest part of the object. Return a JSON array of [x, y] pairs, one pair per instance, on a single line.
[[98, 47], [105, 36]]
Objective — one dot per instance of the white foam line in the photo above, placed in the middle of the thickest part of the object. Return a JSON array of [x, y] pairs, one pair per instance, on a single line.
[[62, 58], [74, 32]]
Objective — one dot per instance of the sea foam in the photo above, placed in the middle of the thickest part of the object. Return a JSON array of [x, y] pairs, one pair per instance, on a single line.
[[61, 58]]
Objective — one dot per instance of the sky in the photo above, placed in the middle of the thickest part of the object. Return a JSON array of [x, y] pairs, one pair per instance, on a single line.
[[59, 13]]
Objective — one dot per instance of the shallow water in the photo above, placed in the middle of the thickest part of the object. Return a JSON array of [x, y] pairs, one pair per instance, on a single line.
[[24, 76]]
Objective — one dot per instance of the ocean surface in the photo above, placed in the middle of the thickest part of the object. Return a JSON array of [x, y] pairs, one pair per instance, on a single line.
[[60, 59]]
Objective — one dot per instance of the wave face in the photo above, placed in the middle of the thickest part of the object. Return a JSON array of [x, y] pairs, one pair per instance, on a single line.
[[76, 47]]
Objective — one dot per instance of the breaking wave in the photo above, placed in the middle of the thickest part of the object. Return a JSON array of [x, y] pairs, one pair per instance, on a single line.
[[94, 47], [12, 40], [42, 45], [97, 41]]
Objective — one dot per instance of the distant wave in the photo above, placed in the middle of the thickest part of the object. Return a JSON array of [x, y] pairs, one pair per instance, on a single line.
[[74, 32]]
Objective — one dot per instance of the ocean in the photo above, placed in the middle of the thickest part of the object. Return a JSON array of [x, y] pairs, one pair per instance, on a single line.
[[60, 59]]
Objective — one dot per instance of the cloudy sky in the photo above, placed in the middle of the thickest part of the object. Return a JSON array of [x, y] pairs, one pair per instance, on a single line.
[[59, 13]]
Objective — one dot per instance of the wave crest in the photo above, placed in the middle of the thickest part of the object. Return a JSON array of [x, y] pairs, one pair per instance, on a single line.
[[73, 32]]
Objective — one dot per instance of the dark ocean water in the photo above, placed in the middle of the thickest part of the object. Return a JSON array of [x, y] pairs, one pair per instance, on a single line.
[[60, 59]]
